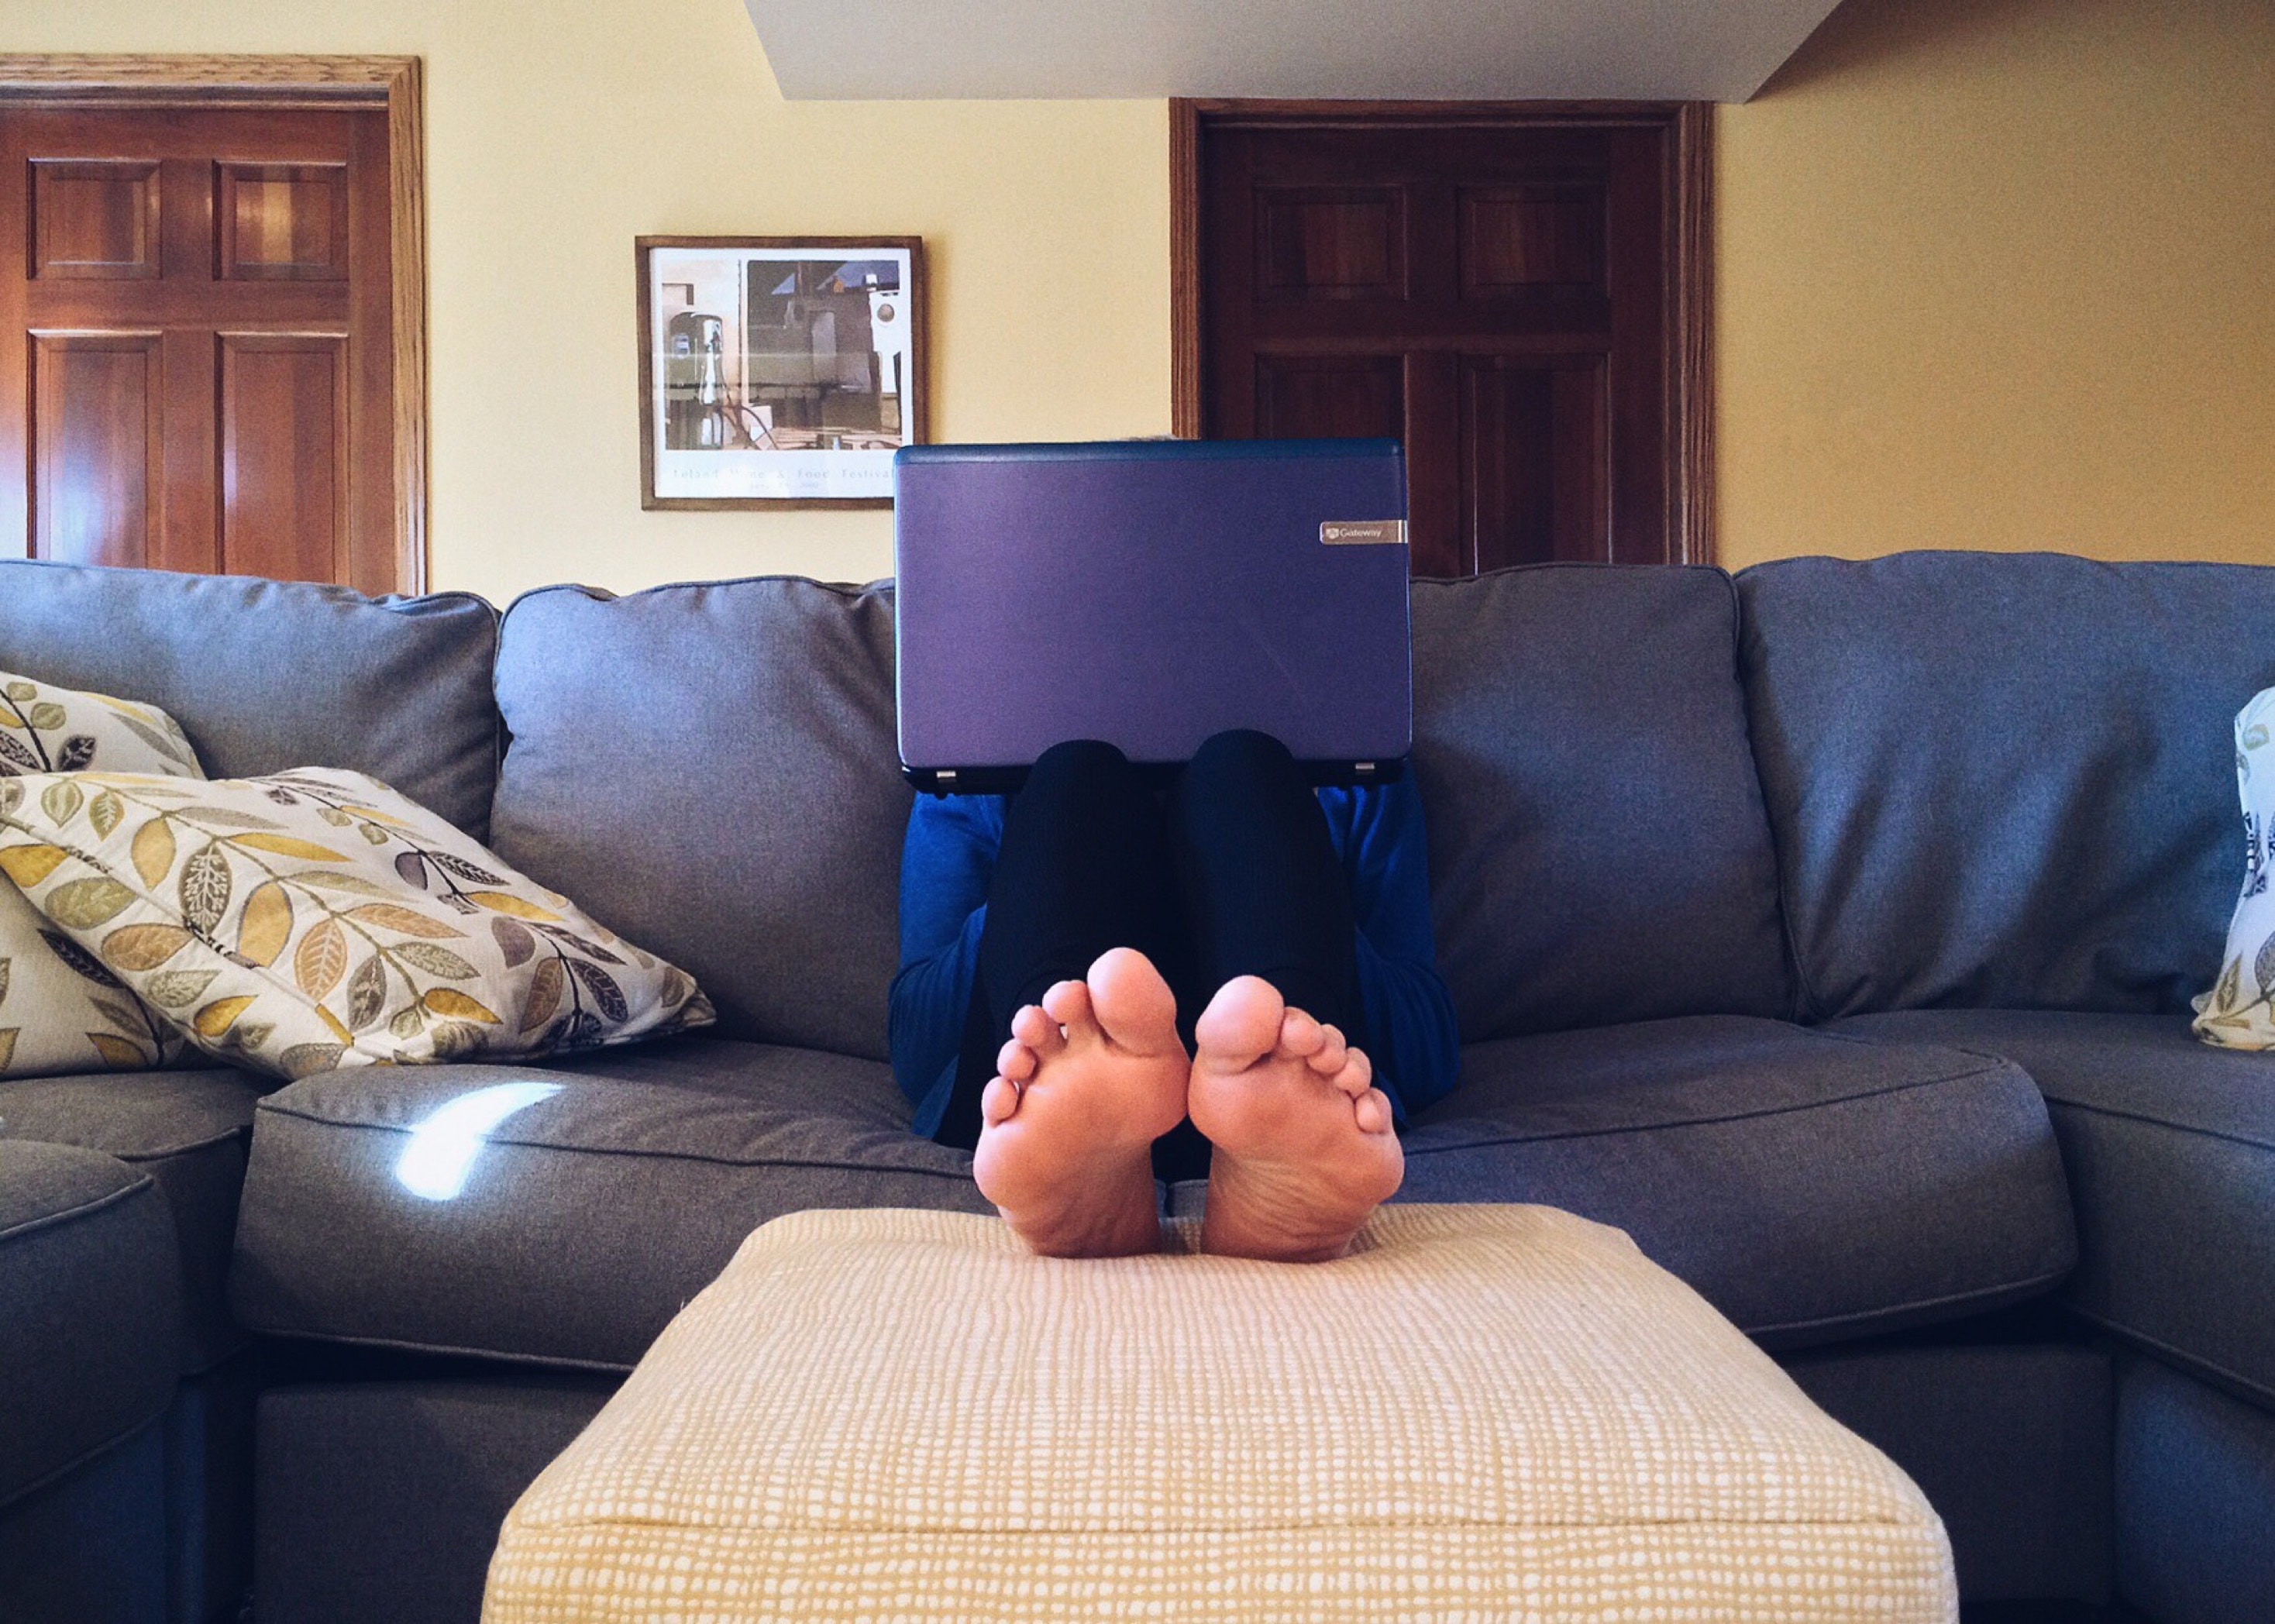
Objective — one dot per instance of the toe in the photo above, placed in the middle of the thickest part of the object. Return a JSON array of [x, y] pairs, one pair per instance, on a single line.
[[1016, 1060], [1241, 1023], [1034, 1027], [1068, 1004], [1133, 1005], [1329, 1059], [998, 1100], [1357, 1073], [1301, 1036], [1371, 1110]]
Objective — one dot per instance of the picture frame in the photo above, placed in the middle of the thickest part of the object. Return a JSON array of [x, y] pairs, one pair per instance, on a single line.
[[779, 372]]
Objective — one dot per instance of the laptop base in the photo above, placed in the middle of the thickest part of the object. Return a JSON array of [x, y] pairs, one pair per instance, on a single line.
[[1008, 780]]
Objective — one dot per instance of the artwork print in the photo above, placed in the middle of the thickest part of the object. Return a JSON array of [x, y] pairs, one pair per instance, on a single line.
[[778, 371]]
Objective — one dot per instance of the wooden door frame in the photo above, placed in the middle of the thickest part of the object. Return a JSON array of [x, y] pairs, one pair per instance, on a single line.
[[394, 83], [1690, 289]]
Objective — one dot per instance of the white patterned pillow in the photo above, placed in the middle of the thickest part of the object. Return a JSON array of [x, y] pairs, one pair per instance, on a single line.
[[2239, 1013], [60, 1010], [314, 919], [44, 728]]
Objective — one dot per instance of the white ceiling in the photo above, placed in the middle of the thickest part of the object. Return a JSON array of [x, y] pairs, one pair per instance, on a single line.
[[1717, 50]]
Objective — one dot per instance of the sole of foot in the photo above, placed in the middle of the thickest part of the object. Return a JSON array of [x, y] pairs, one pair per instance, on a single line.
[[1304, 1146], [1087, 1081]]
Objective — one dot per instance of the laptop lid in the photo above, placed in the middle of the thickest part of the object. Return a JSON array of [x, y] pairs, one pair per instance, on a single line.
[[1151, 594]]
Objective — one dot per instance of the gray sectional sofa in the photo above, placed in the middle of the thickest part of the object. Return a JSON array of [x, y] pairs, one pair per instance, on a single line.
[[1829, 928]]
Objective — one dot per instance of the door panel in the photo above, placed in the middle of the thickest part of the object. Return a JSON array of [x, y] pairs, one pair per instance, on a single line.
[[1532, 445], [94, 220], [1492, 287], [1515, 238], [1330, 243], [283, 221], [95, 435], [1329, 397], [196, 351], [284, 450]]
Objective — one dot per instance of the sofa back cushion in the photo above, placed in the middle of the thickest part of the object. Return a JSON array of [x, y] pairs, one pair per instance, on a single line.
[[710, 770], [264, 676], [1598, 851], [2004, 780]]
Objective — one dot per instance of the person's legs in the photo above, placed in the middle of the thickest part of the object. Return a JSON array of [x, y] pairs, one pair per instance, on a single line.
[[1304, 1146], [1084, 867], [1072, 1065], [1260, 878]]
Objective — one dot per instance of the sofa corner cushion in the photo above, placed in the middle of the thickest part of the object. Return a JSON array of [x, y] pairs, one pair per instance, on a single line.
[[2170, 1147], [1599, 851], [2004, 780], [1812, 1187], [711, 770], [90, 1307], [187, 1130], [2196, 1498], [559, 1214], [267, 675]]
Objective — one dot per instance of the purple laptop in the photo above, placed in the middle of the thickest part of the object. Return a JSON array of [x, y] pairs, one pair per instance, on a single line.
[[1151, 594]]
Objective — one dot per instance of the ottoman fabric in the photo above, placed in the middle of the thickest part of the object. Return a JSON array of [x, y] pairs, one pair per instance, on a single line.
[[1489, 1410]]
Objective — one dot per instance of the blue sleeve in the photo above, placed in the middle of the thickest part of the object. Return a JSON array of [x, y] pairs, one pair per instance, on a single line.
[[947, 860], [1416, 1045]]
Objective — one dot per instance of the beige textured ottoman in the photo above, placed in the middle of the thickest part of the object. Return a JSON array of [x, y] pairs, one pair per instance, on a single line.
[[1497, 1412]]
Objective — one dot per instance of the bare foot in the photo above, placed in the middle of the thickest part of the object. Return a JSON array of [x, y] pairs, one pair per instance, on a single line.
[[1090, 1078], [1305, 1150]]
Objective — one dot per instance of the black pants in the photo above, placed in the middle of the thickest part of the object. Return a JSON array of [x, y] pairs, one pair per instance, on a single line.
[[1227, 869]]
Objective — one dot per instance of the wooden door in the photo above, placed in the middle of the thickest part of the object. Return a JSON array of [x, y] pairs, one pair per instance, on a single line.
[[196, 365], [1496, 289]]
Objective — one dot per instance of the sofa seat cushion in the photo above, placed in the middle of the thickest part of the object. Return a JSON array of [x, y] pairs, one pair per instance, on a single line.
[[1811, 1187], [1498, 1412], [90, 1307], [2170, 1147], [187, 1131], [560, 1214]]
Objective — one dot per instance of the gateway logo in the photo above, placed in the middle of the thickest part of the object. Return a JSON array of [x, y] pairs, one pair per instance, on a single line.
[[1364, 533]]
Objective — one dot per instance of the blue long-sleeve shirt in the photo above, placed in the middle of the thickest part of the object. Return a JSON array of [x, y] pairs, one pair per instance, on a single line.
[[949, 856]]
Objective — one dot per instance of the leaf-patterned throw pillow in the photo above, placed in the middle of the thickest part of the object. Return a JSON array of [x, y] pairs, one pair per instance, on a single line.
[[60, 1010], [316, 919], [2239, 1013], [44, 728]]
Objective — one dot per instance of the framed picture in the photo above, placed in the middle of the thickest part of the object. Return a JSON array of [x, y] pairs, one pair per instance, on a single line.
[[778, 371]]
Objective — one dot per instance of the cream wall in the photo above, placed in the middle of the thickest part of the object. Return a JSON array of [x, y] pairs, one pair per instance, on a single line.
[[558, 131], [1992, 273], [2001, 274]]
